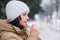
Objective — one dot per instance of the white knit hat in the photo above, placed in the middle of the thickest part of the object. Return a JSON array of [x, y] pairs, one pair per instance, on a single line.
[[14, 9]]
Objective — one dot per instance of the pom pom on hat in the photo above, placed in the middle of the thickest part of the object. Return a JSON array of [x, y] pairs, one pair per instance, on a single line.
[[14, 9]]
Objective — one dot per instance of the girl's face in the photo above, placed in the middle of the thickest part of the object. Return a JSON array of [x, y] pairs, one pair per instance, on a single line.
[[24, 19]]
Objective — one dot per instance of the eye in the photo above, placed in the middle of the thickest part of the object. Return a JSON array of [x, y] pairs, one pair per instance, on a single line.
[[24, 14]]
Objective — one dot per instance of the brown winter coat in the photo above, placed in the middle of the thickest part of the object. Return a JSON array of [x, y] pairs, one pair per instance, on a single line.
[[10, 32]]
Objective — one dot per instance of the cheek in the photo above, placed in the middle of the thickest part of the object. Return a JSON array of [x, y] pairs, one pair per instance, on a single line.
[[21, 22], [23, 17]]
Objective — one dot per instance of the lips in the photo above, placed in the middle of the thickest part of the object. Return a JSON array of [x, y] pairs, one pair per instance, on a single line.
[[25, 22]]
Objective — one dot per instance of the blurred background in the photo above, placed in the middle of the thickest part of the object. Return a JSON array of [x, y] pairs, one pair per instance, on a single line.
[[44, 13]]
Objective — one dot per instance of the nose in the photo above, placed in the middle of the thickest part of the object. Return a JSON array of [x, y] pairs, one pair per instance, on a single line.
[[27, 18]]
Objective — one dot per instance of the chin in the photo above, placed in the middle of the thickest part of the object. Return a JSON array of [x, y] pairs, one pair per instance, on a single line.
[[25, 25]]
